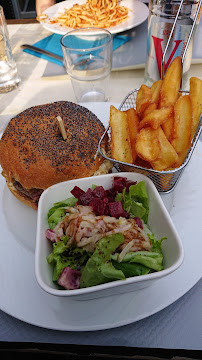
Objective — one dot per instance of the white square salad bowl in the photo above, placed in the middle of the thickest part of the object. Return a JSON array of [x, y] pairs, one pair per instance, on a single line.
[[159, 222]]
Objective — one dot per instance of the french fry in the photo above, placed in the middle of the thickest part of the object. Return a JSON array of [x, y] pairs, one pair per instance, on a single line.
[[156, 118], [181, 136], [167, 127], [181, 157], [142, 163], [133, 124], [196, 101], [167, 156], [155, 89], [147, 144], [149, 109], [157, 135], [171, 84], [143, 99], [120, 140]]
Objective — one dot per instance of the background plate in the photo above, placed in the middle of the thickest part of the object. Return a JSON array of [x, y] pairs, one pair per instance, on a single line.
[[22, 297], [137, 16]]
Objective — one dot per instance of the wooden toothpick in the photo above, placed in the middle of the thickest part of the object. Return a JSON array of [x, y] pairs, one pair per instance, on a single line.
[[62, 128]]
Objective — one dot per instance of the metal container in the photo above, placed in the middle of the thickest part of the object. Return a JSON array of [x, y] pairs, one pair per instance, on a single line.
[[165, 181]]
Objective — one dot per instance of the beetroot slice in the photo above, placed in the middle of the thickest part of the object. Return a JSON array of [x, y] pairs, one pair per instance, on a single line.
[[98, 206], [86, 198], [101, 200], [77, 192], [99, 192], [129, 183], [116, 209], [119, 183], [138, 222], [69, 278], [111, 194]]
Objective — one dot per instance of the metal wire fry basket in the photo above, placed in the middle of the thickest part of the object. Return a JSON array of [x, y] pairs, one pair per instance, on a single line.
[[165, 181]]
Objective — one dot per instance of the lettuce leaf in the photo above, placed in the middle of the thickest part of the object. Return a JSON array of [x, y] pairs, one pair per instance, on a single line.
[[56, 217], [99, 268], [63, 255], [67, 202], [58, 211], [152, 259], [156, 244], [131, 269], [135, 201]]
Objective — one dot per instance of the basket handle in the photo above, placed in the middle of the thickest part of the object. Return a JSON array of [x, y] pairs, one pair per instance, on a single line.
[[171, 34]]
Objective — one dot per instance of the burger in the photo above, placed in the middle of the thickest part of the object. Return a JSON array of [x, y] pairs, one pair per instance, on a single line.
[[34, 154]]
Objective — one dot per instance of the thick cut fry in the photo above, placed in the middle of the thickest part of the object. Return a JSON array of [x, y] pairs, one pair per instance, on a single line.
[[133, 124], [155, 89], [157, 135], [149, 109], [142, 163], [143, 99], [196, 101], [167, 156], [167, 127], [147, 144], [171, 83], [156, 118], [120, 141], [181, 136], [181, 157]]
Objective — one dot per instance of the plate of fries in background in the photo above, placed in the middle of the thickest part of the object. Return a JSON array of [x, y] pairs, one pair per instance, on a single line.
[[113, 15], [155, 129]]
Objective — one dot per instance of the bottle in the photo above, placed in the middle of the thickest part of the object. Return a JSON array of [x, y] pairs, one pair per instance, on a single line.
[[162, 14]]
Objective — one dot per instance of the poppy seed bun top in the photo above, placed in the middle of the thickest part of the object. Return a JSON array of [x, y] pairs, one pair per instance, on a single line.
[[33, 152]]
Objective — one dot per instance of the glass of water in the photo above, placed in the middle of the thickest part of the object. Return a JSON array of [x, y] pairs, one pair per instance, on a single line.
[[88, 61], [9, 78]]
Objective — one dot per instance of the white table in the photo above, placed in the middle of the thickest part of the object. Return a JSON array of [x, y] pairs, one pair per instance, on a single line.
[[35, 89], [178, 325]]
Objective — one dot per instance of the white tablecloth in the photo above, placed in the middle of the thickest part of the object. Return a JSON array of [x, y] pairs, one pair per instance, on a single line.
[[177, 326]]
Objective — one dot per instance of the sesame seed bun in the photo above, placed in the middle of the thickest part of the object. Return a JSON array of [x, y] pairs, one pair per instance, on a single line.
[[34, 155]]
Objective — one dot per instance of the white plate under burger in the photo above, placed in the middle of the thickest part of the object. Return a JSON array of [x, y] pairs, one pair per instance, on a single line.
[[22, 297]]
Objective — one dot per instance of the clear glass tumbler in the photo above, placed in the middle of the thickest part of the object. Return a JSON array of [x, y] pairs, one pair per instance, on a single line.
[[9, 78], [88, 61]]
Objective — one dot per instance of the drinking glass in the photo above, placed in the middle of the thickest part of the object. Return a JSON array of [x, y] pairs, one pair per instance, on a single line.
[[9, 78], [88, 61]]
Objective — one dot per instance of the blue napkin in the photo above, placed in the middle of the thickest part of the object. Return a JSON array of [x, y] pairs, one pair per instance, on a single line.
[[52, 44]]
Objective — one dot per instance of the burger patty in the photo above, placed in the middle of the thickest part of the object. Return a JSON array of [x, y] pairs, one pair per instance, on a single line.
[[32, 194]]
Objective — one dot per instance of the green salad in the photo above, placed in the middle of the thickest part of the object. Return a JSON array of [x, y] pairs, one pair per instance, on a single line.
[[101, 235]]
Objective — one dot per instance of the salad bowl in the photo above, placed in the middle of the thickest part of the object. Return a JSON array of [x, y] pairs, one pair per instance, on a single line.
[[159, 222]]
